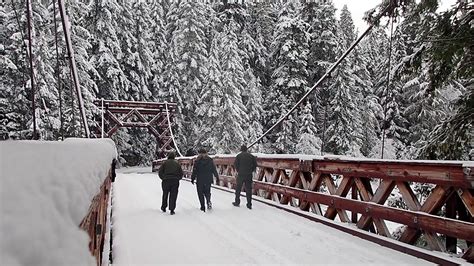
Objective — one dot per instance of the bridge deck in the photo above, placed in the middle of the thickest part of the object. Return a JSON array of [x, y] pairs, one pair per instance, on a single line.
[[142, 234]]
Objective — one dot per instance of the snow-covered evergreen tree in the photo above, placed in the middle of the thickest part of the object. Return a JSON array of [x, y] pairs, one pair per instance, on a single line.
[[15, 99], [222, 109], [344, 132], [106, 49], [187, 65], [158, 47], [262, 20], [371, 60], [254, 109], [290, 76], [321, 19], [308, 142]]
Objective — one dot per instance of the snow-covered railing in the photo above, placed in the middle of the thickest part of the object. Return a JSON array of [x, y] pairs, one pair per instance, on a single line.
[[48, 191], [379, 195], [95, 222]]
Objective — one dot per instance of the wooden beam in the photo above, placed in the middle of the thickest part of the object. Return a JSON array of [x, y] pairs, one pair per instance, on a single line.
[[467, 199], [341, 191], [133, 104], [451, 206], [381, 195], [114, 118], [435, 173], [354, 197], [415, 219], [366, 194], [469, 254], [432, 204], [119, 110], [294, 176]]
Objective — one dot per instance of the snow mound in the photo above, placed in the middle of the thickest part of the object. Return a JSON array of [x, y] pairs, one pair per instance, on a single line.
[[46, 189]]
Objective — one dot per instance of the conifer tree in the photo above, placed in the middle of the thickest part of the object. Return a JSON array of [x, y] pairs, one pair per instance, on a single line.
[[308, 142], [320, 16], [221, 107], [187, 67], [344, 132], [15, 98], [289, 77]]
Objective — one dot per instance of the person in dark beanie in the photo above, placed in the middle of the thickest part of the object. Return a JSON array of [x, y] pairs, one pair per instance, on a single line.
[[170, 173], [245, 164], [203, 170]]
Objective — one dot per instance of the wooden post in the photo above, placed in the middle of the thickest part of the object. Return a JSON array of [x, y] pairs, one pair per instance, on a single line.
[[354, 197], [451, 242]]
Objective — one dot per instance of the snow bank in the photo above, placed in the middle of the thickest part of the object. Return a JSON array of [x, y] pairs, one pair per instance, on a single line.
[[46, 190]]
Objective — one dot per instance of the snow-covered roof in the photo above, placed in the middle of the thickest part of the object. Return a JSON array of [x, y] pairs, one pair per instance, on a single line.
[[46, 190]]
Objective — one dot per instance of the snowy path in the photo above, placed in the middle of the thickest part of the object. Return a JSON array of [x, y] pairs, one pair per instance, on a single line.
[[226, 235]]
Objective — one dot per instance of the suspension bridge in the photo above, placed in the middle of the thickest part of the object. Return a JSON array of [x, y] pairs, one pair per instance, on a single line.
[[303, 213]]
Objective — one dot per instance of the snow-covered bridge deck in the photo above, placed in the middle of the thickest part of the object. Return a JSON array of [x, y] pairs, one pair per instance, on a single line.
[[142, 234]]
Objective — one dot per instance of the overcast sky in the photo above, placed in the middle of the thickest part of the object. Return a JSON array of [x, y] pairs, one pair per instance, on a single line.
[[358, 8]]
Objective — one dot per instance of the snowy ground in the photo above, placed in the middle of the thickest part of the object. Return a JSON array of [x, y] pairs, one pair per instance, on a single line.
[[226, 235]]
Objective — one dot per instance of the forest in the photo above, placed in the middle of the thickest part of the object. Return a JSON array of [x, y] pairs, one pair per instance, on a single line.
[[234, 68]]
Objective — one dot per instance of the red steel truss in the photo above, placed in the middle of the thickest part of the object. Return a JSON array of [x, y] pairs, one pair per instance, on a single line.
[[309, 185], [150, 115]]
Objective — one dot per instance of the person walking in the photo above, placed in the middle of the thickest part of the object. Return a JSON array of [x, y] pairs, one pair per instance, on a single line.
[[170, 172], [245, 164], [203, 171]]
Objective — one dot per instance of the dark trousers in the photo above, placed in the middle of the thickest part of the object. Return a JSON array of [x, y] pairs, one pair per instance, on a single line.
[[248, 189], [204, 190], [170, 188]]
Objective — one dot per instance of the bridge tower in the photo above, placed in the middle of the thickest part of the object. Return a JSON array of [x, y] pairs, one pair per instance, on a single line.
[[155, 116]]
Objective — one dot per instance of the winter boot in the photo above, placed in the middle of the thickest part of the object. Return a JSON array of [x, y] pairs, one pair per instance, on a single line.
[[209, 205], [235, 204], [203, 209]]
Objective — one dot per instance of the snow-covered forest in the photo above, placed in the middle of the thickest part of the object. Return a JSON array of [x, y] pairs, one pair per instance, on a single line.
[[234, 69]]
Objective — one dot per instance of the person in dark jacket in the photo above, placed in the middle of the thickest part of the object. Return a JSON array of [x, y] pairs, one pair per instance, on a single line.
[[245, 164], [190, 152], [203, 171], [170, 173]]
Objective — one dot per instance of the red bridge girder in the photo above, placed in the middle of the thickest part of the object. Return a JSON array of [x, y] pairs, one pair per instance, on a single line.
[[150, 115]]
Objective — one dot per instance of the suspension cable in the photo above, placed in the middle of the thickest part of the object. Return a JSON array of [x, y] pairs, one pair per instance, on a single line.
[[326, 75], [30, 52], [72, 61], [389, 67], [171, 131], [61, 118]]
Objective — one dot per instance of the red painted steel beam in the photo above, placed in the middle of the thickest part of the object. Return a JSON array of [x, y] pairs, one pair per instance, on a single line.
[[143, 111], [132, 104], [134, 124]]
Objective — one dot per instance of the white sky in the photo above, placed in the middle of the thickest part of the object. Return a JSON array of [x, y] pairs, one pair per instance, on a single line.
[[358, 8]]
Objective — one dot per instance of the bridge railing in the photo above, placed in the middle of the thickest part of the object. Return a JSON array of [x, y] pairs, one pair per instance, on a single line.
[[357, 190], [95, 222]]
